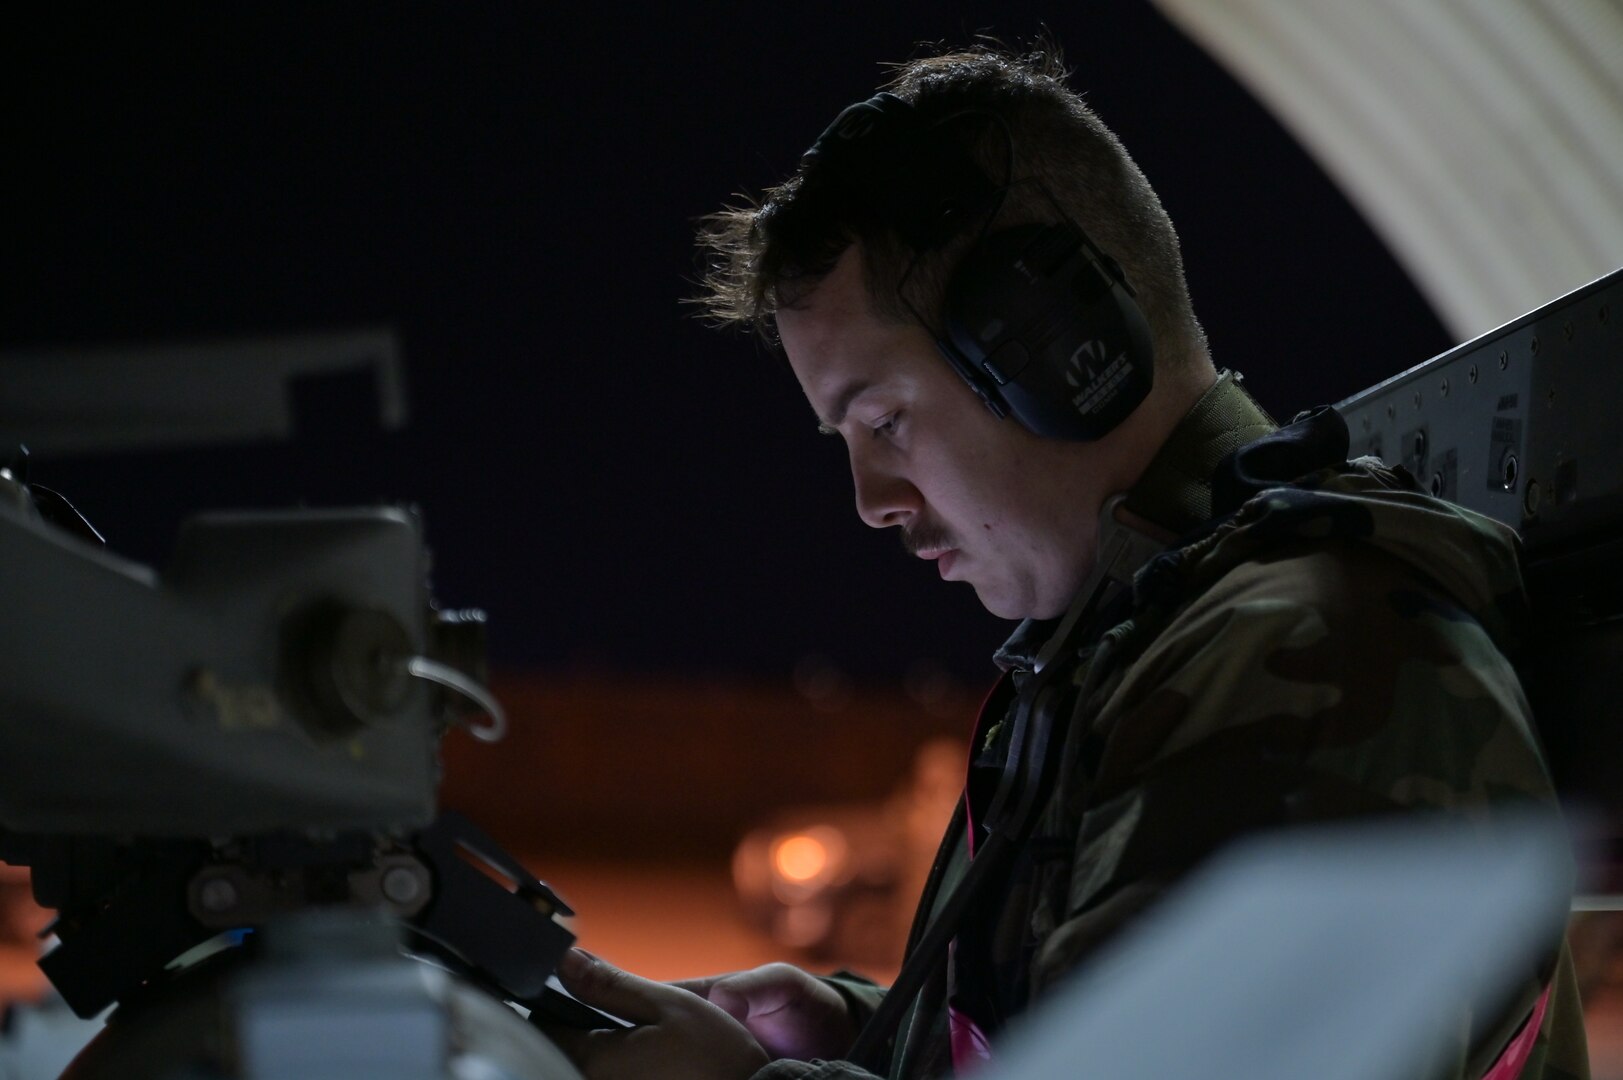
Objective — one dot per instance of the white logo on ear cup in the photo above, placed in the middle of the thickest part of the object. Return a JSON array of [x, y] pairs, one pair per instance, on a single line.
[[1094, 387], [1083, 360]]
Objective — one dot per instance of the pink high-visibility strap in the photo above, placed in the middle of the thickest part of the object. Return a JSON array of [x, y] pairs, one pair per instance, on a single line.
[[1514, 1059], [969, 1046]]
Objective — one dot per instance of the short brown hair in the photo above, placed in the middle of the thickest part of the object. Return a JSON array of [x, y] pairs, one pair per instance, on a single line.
[[765, 255]]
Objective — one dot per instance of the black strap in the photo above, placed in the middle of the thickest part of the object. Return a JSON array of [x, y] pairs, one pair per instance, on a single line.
[[1015, 809], [1028, 777]]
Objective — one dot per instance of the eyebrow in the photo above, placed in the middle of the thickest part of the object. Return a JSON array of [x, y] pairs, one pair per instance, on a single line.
[[842, 405]]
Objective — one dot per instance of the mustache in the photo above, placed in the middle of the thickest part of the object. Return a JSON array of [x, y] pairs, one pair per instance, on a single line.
[[925, 536]]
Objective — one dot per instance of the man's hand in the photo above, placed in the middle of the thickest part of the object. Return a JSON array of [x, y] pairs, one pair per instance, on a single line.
[[790, 1013], [679, 1035]]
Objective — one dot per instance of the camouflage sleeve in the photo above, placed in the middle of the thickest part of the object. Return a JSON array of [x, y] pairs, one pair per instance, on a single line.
[[1331, 681], [862, 995]]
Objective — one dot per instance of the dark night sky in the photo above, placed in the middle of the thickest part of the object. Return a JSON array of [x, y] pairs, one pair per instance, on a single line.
[[513, 188]]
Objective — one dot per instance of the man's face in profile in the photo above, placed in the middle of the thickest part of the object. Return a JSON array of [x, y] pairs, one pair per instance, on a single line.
[[1013, 514]]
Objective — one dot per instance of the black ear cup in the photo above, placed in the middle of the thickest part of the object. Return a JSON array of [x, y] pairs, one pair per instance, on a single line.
[[1045, 324], [1039, 322]]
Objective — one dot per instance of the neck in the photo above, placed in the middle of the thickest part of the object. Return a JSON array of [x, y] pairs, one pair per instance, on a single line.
[[1173, 489]]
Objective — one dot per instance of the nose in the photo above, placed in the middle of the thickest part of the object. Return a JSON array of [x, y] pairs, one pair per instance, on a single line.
[[884, 498]]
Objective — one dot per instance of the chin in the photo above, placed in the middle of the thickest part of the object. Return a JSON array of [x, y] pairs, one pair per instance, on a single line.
[[1004, 606], [1022, 603]]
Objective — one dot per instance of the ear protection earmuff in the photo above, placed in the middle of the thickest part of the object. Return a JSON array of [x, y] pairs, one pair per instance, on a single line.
[[1039, 322]]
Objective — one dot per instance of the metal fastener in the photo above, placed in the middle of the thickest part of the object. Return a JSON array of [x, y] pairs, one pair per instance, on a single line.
[[217, 896], [400, 885]]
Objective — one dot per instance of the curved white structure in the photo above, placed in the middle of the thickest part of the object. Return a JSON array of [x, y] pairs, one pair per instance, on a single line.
[[1483, 139]]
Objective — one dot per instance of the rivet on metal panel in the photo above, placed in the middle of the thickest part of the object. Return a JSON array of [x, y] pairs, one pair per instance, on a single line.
[[1504, 359], [1444, 388], [1472, 373], [1531, 500], [1566, 328], [1534, 346], [1391, 410], [218, 896], [1417, 399], [400, 885]]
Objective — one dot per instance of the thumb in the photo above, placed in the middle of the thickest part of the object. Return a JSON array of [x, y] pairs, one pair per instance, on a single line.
[[732, 996], [730, 992], [700, 986], [604, 986], [759, 991]]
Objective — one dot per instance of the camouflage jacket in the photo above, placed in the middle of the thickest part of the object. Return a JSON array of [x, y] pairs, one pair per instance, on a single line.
[[1325, 641]]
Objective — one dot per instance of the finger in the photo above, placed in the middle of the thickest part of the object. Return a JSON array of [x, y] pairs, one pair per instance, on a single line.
[[696, 986], [759, 990], [734, 1005], [620, 993], [715, 989]]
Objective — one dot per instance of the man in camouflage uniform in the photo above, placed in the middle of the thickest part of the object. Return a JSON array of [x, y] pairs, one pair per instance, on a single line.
[[1319, 639]]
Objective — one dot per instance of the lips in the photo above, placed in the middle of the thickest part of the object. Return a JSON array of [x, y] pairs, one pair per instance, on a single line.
[[943, 559]]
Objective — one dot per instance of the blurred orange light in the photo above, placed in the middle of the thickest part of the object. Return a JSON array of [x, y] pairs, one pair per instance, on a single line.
[[800, 857]]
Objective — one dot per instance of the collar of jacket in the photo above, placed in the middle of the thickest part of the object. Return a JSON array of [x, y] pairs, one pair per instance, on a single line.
[[1175, 491]]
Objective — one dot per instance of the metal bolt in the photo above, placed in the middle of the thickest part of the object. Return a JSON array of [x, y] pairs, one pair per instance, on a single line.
[[1391, 411], [1417, 399], [1531, 500], [1472, 373], [1444, 388], [1420, 444], [217, 896], [400, 885], [1504, 360]]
